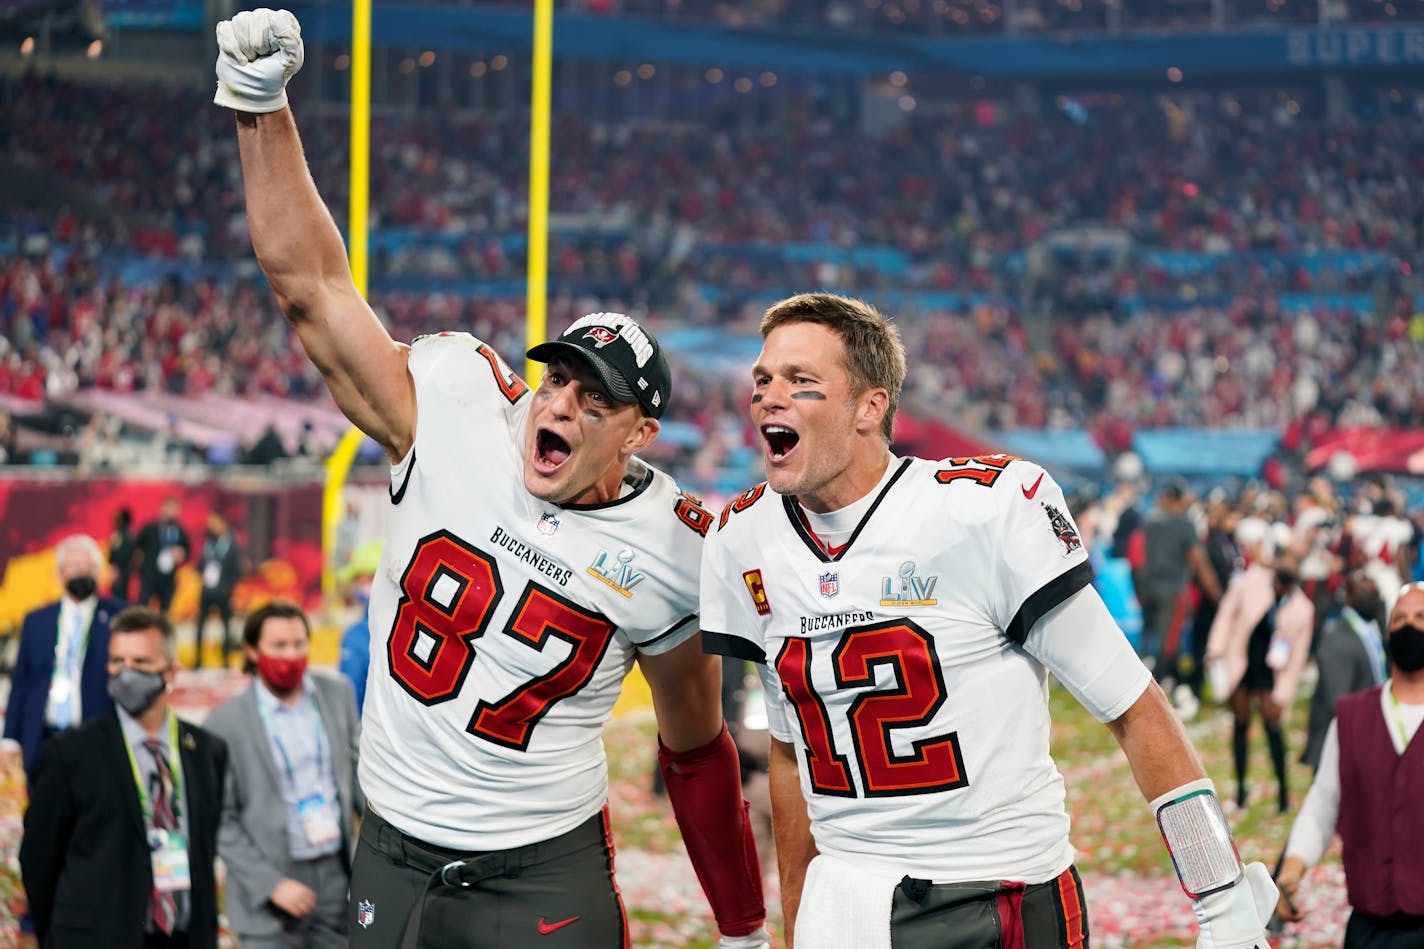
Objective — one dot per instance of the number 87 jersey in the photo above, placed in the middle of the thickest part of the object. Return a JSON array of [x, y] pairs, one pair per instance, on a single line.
[[503, 626], [894, 665]]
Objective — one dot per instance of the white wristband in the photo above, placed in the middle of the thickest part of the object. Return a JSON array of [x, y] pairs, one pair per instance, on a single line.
[[1198, 839]]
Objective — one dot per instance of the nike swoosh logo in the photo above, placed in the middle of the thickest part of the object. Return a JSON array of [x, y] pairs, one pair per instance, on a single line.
[[1030, 492], [546, 928]]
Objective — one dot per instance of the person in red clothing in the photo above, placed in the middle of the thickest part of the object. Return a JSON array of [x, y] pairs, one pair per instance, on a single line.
[[1368, 788]]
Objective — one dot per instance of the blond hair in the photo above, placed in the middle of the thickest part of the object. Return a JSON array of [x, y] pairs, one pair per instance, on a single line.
[[874, 354]]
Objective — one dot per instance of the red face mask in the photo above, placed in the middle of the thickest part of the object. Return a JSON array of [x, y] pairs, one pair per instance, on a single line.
[[284, 674]]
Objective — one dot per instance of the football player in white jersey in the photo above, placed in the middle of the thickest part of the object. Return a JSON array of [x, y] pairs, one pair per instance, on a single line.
[[530, 560], [905, 613]]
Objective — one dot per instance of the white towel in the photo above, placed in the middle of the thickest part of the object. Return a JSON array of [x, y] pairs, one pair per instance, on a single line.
[[844, 907]]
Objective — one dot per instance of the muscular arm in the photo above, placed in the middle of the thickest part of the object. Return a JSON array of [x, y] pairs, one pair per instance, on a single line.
[[1161, 755], [791, 824], [687, 694], [698, 762], [303, 256]]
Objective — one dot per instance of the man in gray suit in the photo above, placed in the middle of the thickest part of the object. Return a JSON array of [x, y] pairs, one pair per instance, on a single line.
[[1350, 657], [291, 793]]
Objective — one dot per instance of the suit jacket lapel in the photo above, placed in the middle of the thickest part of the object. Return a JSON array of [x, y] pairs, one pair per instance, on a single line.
[[117, 750], [339, 762], [257, 735]]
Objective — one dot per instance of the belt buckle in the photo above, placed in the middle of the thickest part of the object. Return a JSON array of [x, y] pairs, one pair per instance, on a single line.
[[453, 866]]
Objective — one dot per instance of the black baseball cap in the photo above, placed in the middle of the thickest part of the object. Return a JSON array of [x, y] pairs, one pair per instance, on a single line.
[[627, 358]]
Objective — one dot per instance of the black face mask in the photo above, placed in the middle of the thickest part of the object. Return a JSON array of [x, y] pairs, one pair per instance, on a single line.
[[81, 588], [1286, 579], [1406, 648]]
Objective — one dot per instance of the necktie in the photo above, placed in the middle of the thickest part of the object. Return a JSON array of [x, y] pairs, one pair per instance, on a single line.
[[165, 907]]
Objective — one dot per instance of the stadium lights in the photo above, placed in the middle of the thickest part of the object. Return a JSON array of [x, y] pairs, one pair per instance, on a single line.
[[478, 69], [95, 49], [743, 85], [622, 77], [27, 46], [427, 59], [713, 75], [341, 63], [767, 79], [1174, 74], [499, 62], [647, 71]]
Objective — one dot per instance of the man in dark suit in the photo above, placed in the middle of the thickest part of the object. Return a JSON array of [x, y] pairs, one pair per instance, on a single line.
[[1350, 657], [121, 832], [220, 566], [59, 679], [163, 546], [291, 791]]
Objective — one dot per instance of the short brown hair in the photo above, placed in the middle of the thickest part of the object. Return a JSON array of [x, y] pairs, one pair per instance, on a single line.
[[140, 619], [273, 609], [874, 355]]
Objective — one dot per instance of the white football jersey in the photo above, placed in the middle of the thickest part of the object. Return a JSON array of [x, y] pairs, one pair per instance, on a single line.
[[502, 626], [921, 726]]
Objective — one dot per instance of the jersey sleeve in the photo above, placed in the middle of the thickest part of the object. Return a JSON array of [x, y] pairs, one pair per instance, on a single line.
[[1038, 556], [779, 717], [730, 601], [459, 369]]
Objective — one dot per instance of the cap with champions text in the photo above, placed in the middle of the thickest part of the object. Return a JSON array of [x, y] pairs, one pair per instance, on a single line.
[[626, 358]]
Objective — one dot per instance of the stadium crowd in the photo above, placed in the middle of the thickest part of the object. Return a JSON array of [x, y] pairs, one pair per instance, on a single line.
[[1266, 194]]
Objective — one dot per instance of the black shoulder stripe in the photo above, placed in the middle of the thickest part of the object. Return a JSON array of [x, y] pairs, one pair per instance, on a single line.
[[720, 644], [399, 493], [668, 632], [1046, 597]]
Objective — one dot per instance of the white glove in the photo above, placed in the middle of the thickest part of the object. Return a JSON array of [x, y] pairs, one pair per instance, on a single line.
[[761, 939], [258, 51], [1236, 918]]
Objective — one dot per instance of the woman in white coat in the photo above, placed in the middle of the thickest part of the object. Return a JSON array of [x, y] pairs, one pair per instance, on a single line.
[[1257, 649]]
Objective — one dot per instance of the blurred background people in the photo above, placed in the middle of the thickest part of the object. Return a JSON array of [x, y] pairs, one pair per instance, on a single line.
[[1259, 645], [163, 547], [219, 569], [291, 793], [1368, 789], [1349, 657], [59, 680], [121, 833]]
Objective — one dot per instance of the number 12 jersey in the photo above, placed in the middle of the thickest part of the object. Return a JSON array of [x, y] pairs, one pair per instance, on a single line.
[[895, 667]]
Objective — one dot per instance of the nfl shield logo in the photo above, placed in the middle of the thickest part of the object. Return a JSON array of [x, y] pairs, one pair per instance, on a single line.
[[548, 523], [365, 913], [830, 584]]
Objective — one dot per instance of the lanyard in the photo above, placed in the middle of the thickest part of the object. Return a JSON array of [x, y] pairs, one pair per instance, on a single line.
[[282, 751], [1398, 717], [175, 768]]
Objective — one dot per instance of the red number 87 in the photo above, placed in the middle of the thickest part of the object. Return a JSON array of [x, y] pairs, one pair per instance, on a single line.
[[448, 593]]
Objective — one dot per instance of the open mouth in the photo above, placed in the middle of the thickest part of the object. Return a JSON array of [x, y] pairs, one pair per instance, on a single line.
[[780, 440], [550, 451]]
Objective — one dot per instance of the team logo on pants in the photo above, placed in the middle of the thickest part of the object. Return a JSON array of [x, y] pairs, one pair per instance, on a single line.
[[365, 913]]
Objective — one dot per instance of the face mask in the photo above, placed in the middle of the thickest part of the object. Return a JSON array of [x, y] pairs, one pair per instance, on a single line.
[[134, 690], [1406, 648], [1285, 579], [81, 588], [284, 674]]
